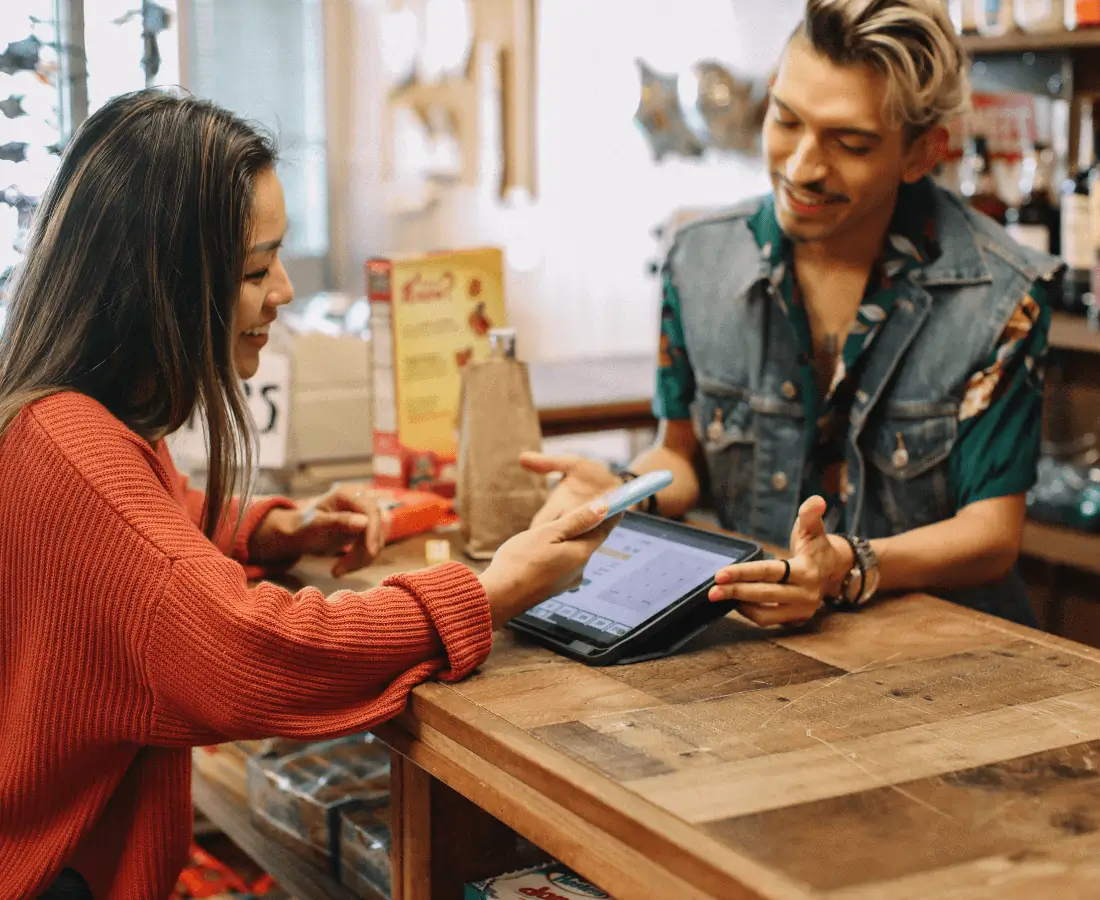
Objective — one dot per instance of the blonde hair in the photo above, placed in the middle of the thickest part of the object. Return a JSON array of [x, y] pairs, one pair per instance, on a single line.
[[911, 42]]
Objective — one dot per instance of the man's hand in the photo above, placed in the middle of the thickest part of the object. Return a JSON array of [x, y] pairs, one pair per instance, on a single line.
[[818, 565], [583, 480]]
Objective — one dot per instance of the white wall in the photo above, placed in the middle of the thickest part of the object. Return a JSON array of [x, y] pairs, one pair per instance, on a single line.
[[599, 192]]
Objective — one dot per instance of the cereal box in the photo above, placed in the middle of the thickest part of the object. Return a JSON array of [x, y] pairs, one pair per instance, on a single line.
[[430, 315]]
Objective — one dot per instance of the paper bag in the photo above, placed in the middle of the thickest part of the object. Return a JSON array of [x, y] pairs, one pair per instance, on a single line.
[[496, 497]]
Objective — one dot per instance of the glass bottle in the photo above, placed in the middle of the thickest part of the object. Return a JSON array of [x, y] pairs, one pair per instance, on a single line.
[[1034, 222], [978, 186]]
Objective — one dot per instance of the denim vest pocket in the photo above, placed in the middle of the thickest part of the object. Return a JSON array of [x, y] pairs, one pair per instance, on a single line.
[[909, 471], [723, 421]]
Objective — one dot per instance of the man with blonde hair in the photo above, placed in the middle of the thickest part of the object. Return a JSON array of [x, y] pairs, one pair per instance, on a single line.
[[858, 356]]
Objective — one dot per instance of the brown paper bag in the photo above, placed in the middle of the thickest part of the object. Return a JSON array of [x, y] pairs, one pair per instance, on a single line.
[[496, 497]]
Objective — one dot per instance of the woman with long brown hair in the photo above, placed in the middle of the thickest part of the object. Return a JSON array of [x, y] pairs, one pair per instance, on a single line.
[[128, 631]]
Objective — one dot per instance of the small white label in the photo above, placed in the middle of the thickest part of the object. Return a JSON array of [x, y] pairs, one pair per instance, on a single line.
[[1077, 247], [1037, 237], [268, 395]]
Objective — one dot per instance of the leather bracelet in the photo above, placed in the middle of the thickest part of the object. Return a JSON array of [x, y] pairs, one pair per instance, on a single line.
[[649, 505], [842, 603]]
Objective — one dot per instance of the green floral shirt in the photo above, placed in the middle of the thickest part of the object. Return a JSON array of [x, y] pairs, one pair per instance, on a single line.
[[1000, 421]]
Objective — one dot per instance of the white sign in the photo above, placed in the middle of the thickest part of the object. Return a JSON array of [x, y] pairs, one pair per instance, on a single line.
[[268, 394]]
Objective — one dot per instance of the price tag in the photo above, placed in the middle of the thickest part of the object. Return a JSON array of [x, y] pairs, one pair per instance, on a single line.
[[268, 395]]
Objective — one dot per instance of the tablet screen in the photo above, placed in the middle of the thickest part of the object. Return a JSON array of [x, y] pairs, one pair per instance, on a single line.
[[634, 575]]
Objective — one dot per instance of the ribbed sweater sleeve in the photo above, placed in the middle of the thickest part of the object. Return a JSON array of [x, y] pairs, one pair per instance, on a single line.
[[226, 662]]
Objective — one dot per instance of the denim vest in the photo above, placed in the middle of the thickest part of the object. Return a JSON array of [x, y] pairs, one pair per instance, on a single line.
[[945, 324]]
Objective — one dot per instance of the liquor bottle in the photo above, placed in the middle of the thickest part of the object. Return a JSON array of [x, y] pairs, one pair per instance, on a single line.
[[1039, 15], [1077, 227], [995, 17], [978, 186], [963, 16], [1034, 222]]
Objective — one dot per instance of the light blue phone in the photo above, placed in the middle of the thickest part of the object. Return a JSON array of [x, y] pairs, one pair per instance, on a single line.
[[635, 491]]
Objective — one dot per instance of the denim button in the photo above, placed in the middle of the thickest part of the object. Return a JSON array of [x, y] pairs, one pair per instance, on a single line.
[[789, 390], [779, 481]]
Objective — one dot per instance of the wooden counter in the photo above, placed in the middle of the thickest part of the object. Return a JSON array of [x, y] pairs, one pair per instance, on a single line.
[[913, 750]]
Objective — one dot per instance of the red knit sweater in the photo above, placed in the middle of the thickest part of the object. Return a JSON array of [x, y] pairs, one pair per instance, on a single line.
[[126, 638]]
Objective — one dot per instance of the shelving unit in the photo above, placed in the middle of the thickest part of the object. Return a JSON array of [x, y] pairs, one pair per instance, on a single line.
[[1073, 333], [1025, 42], [304, 880]]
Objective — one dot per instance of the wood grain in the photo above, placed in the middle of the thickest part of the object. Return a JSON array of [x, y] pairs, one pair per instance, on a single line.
[[915, 749], [1008, 808]]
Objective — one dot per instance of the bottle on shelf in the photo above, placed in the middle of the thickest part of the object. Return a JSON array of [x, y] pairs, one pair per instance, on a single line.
[[1077, 237], [994, 17], [963, 16], [1040, 15], [1082, 14], [1034, 222], [977, 183]]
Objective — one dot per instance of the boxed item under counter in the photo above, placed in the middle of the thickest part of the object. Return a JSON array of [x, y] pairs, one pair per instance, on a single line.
[[551, 881], [297, 798], [365, 846]]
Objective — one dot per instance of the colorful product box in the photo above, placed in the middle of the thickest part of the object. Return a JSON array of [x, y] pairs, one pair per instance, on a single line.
[[430, 315], [551, 881]]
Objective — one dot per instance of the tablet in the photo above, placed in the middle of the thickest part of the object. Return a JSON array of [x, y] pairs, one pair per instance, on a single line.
[[642, 596]]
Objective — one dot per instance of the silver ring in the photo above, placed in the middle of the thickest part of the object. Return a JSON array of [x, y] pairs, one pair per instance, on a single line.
[[786, 572]]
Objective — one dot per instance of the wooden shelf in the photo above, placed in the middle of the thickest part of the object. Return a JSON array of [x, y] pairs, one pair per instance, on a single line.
[[230, 813], [1062, 546], [1023, 42], [1069, 332]]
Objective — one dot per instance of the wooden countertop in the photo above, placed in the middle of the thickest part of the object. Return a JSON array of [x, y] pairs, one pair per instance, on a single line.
[[915, 749]]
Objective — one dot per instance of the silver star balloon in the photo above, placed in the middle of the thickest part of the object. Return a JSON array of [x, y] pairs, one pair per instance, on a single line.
[[660, 118], [722, 111]]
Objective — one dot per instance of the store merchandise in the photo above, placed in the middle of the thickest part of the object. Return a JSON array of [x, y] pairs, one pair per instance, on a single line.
[[1039, 15], [995, 17], [496, 497], [1033, 222], [364, 851], [430, 315], [1066, 493], [552, 881], [978, 185], [1078, 240], [963, 16], [1085, 13], [297, 798]]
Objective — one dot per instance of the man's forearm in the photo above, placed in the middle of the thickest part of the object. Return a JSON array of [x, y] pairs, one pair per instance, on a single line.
[[671, 451], [978, 545]]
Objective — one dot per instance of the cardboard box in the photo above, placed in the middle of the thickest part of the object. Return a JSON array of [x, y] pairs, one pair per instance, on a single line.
[[430, 315], [552, 881]]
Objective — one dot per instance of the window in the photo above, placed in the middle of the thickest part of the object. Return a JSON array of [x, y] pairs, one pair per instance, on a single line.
[[264, 59]]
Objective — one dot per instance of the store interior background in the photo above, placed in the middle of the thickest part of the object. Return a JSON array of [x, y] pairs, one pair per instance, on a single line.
[[577, 224]]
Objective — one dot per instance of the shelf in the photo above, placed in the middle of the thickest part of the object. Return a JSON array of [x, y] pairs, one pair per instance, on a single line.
[[300, 878], [1062, 546], [1023, 42], [1069, 332]]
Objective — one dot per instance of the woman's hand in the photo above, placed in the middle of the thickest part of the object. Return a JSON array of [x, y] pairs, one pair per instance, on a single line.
[[542, 561], [818, 566], [583, 480], [346, 521]]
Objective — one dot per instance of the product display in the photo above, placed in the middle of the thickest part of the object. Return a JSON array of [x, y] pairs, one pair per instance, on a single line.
[[1078, 239], [1039, 15], [549, 882], [1034, 222], [496, 497], [430, 315], [297, 798], [364, 851], [1066, 494], [978, 185]]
